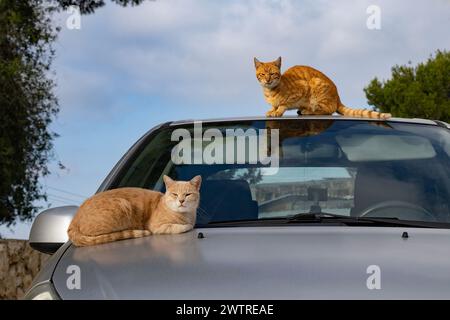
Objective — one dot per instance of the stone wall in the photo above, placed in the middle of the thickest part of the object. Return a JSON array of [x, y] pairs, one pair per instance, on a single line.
[[19, 264]]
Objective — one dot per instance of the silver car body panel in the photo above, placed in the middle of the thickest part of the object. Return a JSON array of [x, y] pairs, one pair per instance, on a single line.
[[288, 262], [46, 273]]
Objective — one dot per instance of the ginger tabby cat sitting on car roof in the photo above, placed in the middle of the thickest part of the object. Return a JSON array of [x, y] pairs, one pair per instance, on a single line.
[[305, 89], [126, 213]]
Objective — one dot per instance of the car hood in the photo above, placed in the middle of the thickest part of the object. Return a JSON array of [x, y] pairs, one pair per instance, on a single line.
[[292, 262]]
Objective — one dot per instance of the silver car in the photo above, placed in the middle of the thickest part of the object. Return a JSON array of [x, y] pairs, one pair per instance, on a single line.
[[291, 208]]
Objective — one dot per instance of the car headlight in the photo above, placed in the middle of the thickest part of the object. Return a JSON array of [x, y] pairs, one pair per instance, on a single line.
[[42, 291]]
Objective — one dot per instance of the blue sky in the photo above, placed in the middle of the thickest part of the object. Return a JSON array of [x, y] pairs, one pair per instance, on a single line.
[[128, 69]]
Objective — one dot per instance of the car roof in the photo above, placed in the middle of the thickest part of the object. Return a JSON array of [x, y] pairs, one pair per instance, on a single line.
[[327, 117]]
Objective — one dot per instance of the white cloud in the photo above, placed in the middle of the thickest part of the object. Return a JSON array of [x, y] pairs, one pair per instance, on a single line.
[[80, 90], [201, 51]]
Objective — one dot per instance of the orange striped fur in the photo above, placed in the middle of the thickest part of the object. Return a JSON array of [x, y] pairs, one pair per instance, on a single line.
[[126, 213], [305, 89]]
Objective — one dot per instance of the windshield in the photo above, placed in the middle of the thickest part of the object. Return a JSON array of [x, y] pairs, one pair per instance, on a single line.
[[254, 170]]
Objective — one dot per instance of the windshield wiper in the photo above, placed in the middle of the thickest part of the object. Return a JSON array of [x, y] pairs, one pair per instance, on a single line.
[[325, 217], [328, 218], [372, 221]]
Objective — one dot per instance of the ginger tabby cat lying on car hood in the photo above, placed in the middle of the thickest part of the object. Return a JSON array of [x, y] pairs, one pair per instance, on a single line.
[[125, 213], [303, 88]]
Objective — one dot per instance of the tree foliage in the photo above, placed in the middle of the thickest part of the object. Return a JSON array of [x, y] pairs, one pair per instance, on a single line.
[[27, 104], [89, 6], [27, 101], [415, 92]]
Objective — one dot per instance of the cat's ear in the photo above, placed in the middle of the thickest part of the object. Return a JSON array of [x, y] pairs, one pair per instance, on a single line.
[[278, 62], [168, 181], [257, 62], [196, 181]]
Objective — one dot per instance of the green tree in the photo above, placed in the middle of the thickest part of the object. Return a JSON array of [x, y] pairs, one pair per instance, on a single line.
[[27, 104], [415, 92], [27, 100]]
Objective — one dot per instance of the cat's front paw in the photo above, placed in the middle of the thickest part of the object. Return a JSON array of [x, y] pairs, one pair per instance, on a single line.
[[171, 228], [180, 228], [270, 113], [277, 113]]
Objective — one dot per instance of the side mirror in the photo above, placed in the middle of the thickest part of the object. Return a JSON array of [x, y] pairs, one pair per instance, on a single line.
[[49, 229]]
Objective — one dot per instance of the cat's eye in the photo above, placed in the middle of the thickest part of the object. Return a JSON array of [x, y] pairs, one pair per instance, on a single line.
[[174, 194], [188, 194]]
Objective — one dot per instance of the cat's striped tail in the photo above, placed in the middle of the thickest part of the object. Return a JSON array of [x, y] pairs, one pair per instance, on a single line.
[[361, 113], [81, 240]]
